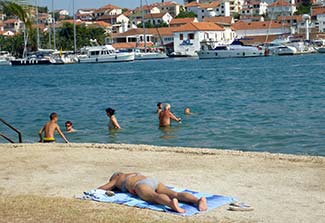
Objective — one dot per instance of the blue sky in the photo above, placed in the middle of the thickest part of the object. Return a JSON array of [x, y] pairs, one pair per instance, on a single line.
[[67, 4]]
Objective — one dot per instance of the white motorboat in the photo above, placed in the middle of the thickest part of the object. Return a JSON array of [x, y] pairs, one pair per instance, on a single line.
[[281, 50], [149, 55], [5, 58], [103, 54], [236, 49]]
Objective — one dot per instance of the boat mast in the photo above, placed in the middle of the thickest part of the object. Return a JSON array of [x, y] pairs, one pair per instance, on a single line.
[[37, 26], [144, 27], [74, 29], [53, 26]]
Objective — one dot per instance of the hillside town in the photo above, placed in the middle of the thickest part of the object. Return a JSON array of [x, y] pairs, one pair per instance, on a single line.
[[180, 28]]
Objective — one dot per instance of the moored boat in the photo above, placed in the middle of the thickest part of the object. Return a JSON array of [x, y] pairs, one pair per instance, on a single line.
[[210, 50], [103, 54]]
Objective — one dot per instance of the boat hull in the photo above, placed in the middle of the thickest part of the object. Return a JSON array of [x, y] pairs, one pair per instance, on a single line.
[[221, 54], [26, 62], [4, 62], [150, 56], [321, 50], [108, 58]]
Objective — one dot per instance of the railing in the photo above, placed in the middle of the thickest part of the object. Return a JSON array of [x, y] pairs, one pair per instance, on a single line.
[[20, 138]]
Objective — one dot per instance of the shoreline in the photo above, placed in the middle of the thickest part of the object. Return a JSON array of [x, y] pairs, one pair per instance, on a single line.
[[184, 150], [278, 186]]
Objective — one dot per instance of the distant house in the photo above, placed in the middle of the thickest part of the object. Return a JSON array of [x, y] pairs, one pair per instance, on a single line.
[[188, 38], [13, 25], [253, 8], [281, 8], [85, 14], [225, 22], [318, 14], [114, 19], [63, 12], [181, 21], [246, 29], [204, 10], [7, 33], [132, 37], [172, 8], [107, 10], [147, 9], [158, 18]]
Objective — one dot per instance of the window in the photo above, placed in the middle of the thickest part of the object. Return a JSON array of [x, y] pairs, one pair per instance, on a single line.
[[181, 36], [191, 36]]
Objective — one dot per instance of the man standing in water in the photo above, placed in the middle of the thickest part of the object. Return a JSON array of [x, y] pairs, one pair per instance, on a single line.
[[49, 130], [166, 115]]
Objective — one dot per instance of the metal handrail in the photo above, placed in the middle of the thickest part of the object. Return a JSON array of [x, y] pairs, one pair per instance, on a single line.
[[20, 138]]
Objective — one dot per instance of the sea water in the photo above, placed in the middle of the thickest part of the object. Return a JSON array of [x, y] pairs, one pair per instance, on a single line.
[[274, 104]]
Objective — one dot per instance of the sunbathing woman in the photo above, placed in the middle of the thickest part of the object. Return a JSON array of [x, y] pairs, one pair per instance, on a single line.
[[152, 191]]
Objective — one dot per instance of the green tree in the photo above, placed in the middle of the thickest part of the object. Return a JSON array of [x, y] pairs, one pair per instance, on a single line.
[[17, 8], [185, 14], [303, 8]]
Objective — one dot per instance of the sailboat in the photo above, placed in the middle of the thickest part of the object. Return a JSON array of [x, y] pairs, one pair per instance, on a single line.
[[144, 53]]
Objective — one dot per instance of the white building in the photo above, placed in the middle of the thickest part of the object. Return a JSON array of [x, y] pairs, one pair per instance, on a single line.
[[253, 8], [281, 8], [318, 15], [173, 8], [158, 18], [187, 38], [205, 10]]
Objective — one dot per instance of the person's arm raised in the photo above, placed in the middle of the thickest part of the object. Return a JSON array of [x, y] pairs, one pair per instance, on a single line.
[[172, 116], [61, 134]]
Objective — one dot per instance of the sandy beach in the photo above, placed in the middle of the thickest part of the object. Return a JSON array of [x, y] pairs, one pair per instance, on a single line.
[[281, 188]]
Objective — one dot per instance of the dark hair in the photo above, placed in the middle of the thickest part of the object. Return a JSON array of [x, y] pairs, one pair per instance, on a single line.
[[110, 111], [158, 104], [68, 123], [53, 115]]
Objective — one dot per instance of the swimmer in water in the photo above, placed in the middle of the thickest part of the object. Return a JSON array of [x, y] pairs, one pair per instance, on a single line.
[[113, 123], [166, 116]]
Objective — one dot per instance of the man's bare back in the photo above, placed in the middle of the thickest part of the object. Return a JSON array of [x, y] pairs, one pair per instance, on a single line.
[[165, 117], [49, 130]]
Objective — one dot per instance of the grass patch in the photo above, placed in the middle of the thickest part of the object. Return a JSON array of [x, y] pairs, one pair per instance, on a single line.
[[31, 208]]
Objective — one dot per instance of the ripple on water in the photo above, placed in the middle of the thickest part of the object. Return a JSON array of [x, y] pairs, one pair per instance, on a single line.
[[261, 104]]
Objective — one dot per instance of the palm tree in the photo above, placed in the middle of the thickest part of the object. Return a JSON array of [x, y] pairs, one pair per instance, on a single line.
[[17, 8]]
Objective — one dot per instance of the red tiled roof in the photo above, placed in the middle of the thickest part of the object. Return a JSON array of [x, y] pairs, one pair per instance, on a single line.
[[199, 26], [298, 18], [222, 20], [210, 5], [130, 45], [192, 4], [279, 3], [255, 25], [317, 10], [257, 40], [181, 21], [110, 6], [154, 15], [9, 21]]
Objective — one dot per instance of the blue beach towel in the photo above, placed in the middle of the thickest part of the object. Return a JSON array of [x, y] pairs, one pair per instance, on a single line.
[[214, 201]]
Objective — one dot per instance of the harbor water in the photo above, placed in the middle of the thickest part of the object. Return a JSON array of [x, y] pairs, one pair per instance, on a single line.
[[274, 104]]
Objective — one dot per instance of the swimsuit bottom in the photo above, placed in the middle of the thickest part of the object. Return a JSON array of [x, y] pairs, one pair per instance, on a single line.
[[152, 183], [49, 140]]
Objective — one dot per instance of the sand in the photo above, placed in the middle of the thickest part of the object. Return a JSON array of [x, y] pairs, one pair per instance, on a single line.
[[282, 188]]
